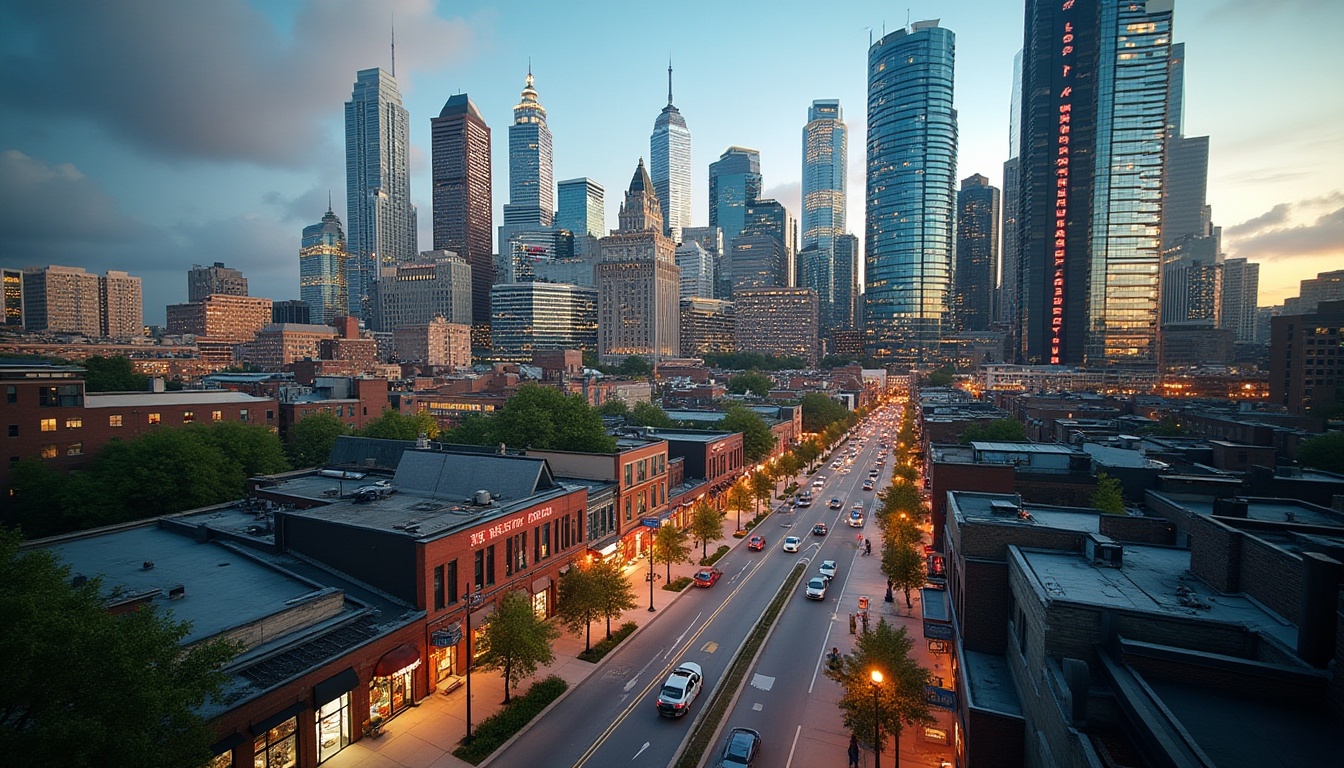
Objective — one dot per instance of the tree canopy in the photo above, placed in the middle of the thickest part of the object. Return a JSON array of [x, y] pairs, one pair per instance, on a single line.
[[614, 407], [751, 381], [671, 545], [997, 431], [635, 366], [745, 361], [112, 374], [539, 417], [940, 378], [820, 412], [84, 686], [311, 439], [706, 525], [1108, 496], [757, 439], [900, 697], [396, 426], [614, 593], [1325, 452], [580, 601], [646, 414], [515, 641]]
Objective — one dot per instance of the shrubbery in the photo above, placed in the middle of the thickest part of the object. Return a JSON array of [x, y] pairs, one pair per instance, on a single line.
[[501, 726], [606, 644]]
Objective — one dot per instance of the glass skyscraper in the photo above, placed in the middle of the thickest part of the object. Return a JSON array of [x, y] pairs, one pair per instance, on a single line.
[[911, 192], [1012, 172], [977, 259], [531, 168], [460, 149], [377, 183], [825, 151], [322, 270], [670, 166], [581, 207], [734, 182]]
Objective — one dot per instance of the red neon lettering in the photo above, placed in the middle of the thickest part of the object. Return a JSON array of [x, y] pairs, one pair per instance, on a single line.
[[1068, 4], [1067, 92], [1067, 50], [1065, 108], [1067, 70]]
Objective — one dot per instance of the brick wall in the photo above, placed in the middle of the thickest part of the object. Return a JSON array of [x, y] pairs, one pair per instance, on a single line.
[[1215, 553], [1139, 530], [983, 610], [1272, 576], [994, 740], [1231, 676]]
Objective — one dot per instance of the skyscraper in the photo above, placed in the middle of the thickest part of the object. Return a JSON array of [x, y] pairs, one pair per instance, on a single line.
[[711, 239], [977, 260], [1241, 295], [845, 296], [460, 142], [121, 305], [322, 270], [697, 271], [1093, 134], [911, 192], [638, 281], [216, 278], [581, 207], [825, 151], [61, 300], [670, 166], [533, 316], [379, 213], [531, 170], [1012, 253], [734, 182], [769, 218]]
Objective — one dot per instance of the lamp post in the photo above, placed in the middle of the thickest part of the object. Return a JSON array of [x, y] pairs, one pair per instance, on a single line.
[[650, 574], [877, 728], [473, 600]]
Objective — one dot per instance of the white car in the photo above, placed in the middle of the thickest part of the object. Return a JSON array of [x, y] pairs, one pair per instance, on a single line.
[[816, 588], [820, 481], [681, 688], [791, 543], [827, 569]]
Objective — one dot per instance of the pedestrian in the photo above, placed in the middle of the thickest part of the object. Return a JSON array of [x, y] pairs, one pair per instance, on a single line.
[[853, 751], [867, 547]]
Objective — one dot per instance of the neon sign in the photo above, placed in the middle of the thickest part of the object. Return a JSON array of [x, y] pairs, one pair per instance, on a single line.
[[1063, 127]]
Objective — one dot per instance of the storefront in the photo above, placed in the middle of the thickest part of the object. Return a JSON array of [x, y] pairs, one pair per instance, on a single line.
[[332, 697], [275, 740], [443, 657], [392, 688], [541, 594]]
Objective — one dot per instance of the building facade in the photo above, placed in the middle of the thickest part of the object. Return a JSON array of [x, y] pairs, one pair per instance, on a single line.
[[911, 191], [221, 317], [670, 166], [292, 311], [279, 344], [438, 285], [529, 317], [216, 278], [62, 300], [734, 182], [711, 239], [1192, 282], [1306, 358], [462, 203], [1241, 297], [438, 343], [11, 294], [531, 166], [323, 261], [120, 306], [707, 327], [977, 260], [777, 321], [581, 207], [1012, 171], [825, 154], [697, 271]]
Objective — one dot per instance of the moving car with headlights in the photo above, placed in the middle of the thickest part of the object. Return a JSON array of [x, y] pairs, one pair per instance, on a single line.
[[827, 569], [816, 588], [741, 748], [756, 542], [868, 485], [835, 503], [681, 688], [855, 518], [705, 577], [820, 529], [791, 543]]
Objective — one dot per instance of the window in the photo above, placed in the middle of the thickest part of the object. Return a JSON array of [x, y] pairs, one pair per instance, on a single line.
[[629, 476], [270, 415], [242, 415], [63, 396], [627, 509], [75, 449], [49, 451], [188, 417], [13, 430], [278, 747], [490, 564], [222, 760], [11, 394], [485, 567], [152, 418], [114, 421], [544, 541], [451, 578], [643, 470], [515, 553], [216, 415], [74, 422], [48, 425], [479, 569], [438, 588]]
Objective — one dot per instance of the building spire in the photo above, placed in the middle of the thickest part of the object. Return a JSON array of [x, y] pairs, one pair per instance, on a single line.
[[669, 81], [394, 43], [328, 201]]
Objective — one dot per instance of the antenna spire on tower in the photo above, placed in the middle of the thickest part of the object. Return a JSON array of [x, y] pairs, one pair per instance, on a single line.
[[669, 80], [394, 43]]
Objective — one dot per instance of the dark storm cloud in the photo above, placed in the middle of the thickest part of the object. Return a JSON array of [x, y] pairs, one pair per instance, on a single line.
[[49, 210], [208, 80], [1262, 241]]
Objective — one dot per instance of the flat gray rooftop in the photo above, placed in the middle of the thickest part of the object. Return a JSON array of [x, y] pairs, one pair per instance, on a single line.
[[989, 684], [1274, 511], [1024, 447], [977, 507]]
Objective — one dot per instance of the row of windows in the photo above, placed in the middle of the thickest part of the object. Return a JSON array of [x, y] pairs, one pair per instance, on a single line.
[[515, 558]]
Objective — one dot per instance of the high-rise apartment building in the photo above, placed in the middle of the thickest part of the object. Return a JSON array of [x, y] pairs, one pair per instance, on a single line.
[[323, 260], [1093, 146], [213, 279], [711, 239], [825, 152], [11, 285], [437, 342], [638, 283], [770, 218], [1325, 286], [121, 306], [1306, 357], [379, 214], [758, 261], [1012, 172], [61, 300], [670, 166], [533, 316], [581, 207], [438, 285], [531, 168], [778, 321], [1241, 297], [734, 182], [706, 327], [221, 317], [1192, 282], [460, 143], [697, 271], [911, 192], [977, 259]]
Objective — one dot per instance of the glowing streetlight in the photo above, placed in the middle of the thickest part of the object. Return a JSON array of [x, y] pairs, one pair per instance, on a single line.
[[877, 728]]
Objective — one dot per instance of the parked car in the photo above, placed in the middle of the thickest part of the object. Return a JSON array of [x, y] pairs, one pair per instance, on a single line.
[[827, 569], [791, 543], [820, 529], [741, 748], [816, 588], [756, 542], [706, 577], [681, 688], [835, 504]]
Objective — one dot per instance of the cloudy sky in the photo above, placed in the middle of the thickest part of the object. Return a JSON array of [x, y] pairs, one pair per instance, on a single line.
[[148, 135]]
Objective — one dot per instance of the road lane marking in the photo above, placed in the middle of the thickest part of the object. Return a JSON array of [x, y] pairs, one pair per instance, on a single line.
[[640, 752], [635, 679], [794, 747], [709, 647], [677, 642]]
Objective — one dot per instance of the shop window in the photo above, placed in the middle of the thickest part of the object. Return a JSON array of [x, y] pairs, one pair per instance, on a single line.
[[278, 747], [114, 421], [222, 760], [539, 604], [74, 422], [48, 425], [49, 451], [75, 449], [333, 727], [216, 415], [153, 418], [188, 417]]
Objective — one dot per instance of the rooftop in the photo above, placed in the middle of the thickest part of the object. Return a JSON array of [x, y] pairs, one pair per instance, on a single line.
[[1008, 509], [183, 397]]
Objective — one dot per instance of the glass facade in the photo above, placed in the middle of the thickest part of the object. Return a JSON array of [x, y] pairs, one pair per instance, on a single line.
[[977, 261], [532, 316], [322, 270], [460, 142], [825, 150], [911, 192], [531, 167], [670, 166], [581, 207], [734, 181]]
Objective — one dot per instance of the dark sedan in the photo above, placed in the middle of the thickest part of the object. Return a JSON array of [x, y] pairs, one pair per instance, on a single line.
[[741, 749]]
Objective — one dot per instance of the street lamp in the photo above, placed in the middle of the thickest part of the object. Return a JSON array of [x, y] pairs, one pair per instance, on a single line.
[[473, 599], [650, 575], [877, 728]]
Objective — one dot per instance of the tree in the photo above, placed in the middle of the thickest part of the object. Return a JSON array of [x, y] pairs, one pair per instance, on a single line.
[[900, 696], [544, 417], [614, 593], [84, 686], [1167, 426], [762, 488], [901, 562], [515, 641], [751, 381], [112, 374], [941, 377], [757, 439], [904, 471], [395, 426], [706, 525], [312, 438], [807, 452], [614, 407], [580, 601], [1324, 452], [37, 503], [635, 366], [996, 431], [1108, 497], [738, 500], [788, 465], [820, 411], [649, 415], [671, 545], [254, 449], [901, 497]]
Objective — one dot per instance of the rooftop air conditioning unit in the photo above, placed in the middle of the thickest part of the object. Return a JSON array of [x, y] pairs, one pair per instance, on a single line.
[[481, 498], [1109, 555]]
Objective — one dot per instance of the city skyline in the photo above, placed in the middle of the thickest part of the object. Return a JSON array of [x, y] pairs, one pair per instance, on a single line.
[[173, 174]]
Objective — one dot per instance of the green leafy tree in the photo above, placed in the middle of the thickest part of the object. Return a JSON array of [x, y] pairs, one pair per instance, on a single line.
[[901, 561], [706, 525], [671, 545], [614, 407], [1108, 497], [396, 426], [312, 438], [615, 595], [474, 429], [738, 500], [941, 377], [1324, 452], [757, 439], [751, 381], [997, 431], [544, 417], [820, 411], [762, 488], [635, 366], [36, 502], [515, 641], [649, 415], [807, 452], [904, 471], [112, 374], [900, 696], [254, 449], [900, 498], [580, 602], [87, 687], [788, 464], [1167, 426], [157, 473]]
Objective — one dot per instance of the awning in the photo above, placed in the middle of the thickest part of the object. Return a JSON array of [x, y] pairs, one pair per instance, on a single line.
[[226, 744], [479, 615], [258, 729], [332, 688], [541, 584], [400, 659]]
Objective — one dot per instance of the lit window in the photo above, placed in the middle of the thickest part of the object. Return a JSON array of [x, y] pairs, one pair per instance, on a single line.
[[49, 451], [75, 449], [216, 415], [153, 418], [48, 425], [188, 417], [114, 421], [74, 423]]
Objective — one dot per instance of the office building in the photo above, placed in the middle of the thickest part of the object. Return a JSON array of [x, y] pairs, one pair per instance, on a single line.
[[380, 219], [534, 316], [437, 343], [816, 270], [1325, 286], [216, 278], [977, 258], [638, 281], [697, 271], [525, 247], [460, 143], [220, 317], [769, 218], [11, 286], [1192, 282], [758, 261], [1012, 172], [292, 311], [574, 271], [120, 306], [711, 239], [1306, 358], [581, 207], [1185, 212], [846, 297], [670, 166], [777, 321], [531, 169], [62, 300], [323, 261], [825, 152], [1241, 297], [706, 327], [1093, 147], [438, 285], [911, 191], [734, 181]]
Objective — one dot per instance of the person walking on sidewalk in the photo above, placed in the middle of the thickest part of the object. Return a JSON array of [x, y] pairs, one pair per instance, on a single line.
[[853, 751]]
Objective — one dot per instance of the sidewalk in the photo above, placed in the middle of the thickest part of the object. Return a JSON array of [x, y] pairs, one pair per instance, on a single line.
[[425, 735]]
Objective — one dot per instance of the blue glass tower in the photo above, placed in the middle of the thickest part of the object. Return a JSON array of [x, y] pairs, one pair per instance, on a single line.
[[825, 152], [911, 192], [531, 169], [322, 269], [734, 183]]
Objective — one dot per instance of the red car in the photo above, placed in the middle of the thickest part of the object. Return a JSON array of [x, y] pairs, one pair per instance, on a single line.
[[819, 529], [707, 577], [757, 543]]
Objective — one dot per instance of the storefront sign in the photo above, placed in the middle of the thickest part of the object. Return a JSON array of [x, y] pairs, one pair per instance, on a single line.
[[514, 523], [650, 522], [944, 698], [447, 637], [938, 631]]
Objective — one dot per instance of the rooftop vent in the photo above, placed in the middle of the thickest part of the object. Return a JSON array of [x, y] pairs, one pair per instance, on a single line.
[[148, 565], [481, 498], [177, 592]]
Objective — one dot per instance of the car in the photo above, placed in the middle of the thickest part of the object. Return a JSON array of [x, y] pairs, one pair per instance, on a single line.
[[868, 485], [816, 588], [792, 543], [681, 688], [817, 483], [835, 504], [855, 518], [705, 577], [873, 473], [827, 569], [820, 529], [804, 500], [740, 750], [756, 542]]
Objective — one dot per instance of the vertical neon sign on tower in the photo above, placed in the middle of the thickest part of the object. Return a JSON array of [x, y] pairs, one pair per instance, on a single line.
[[1061, 184]]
